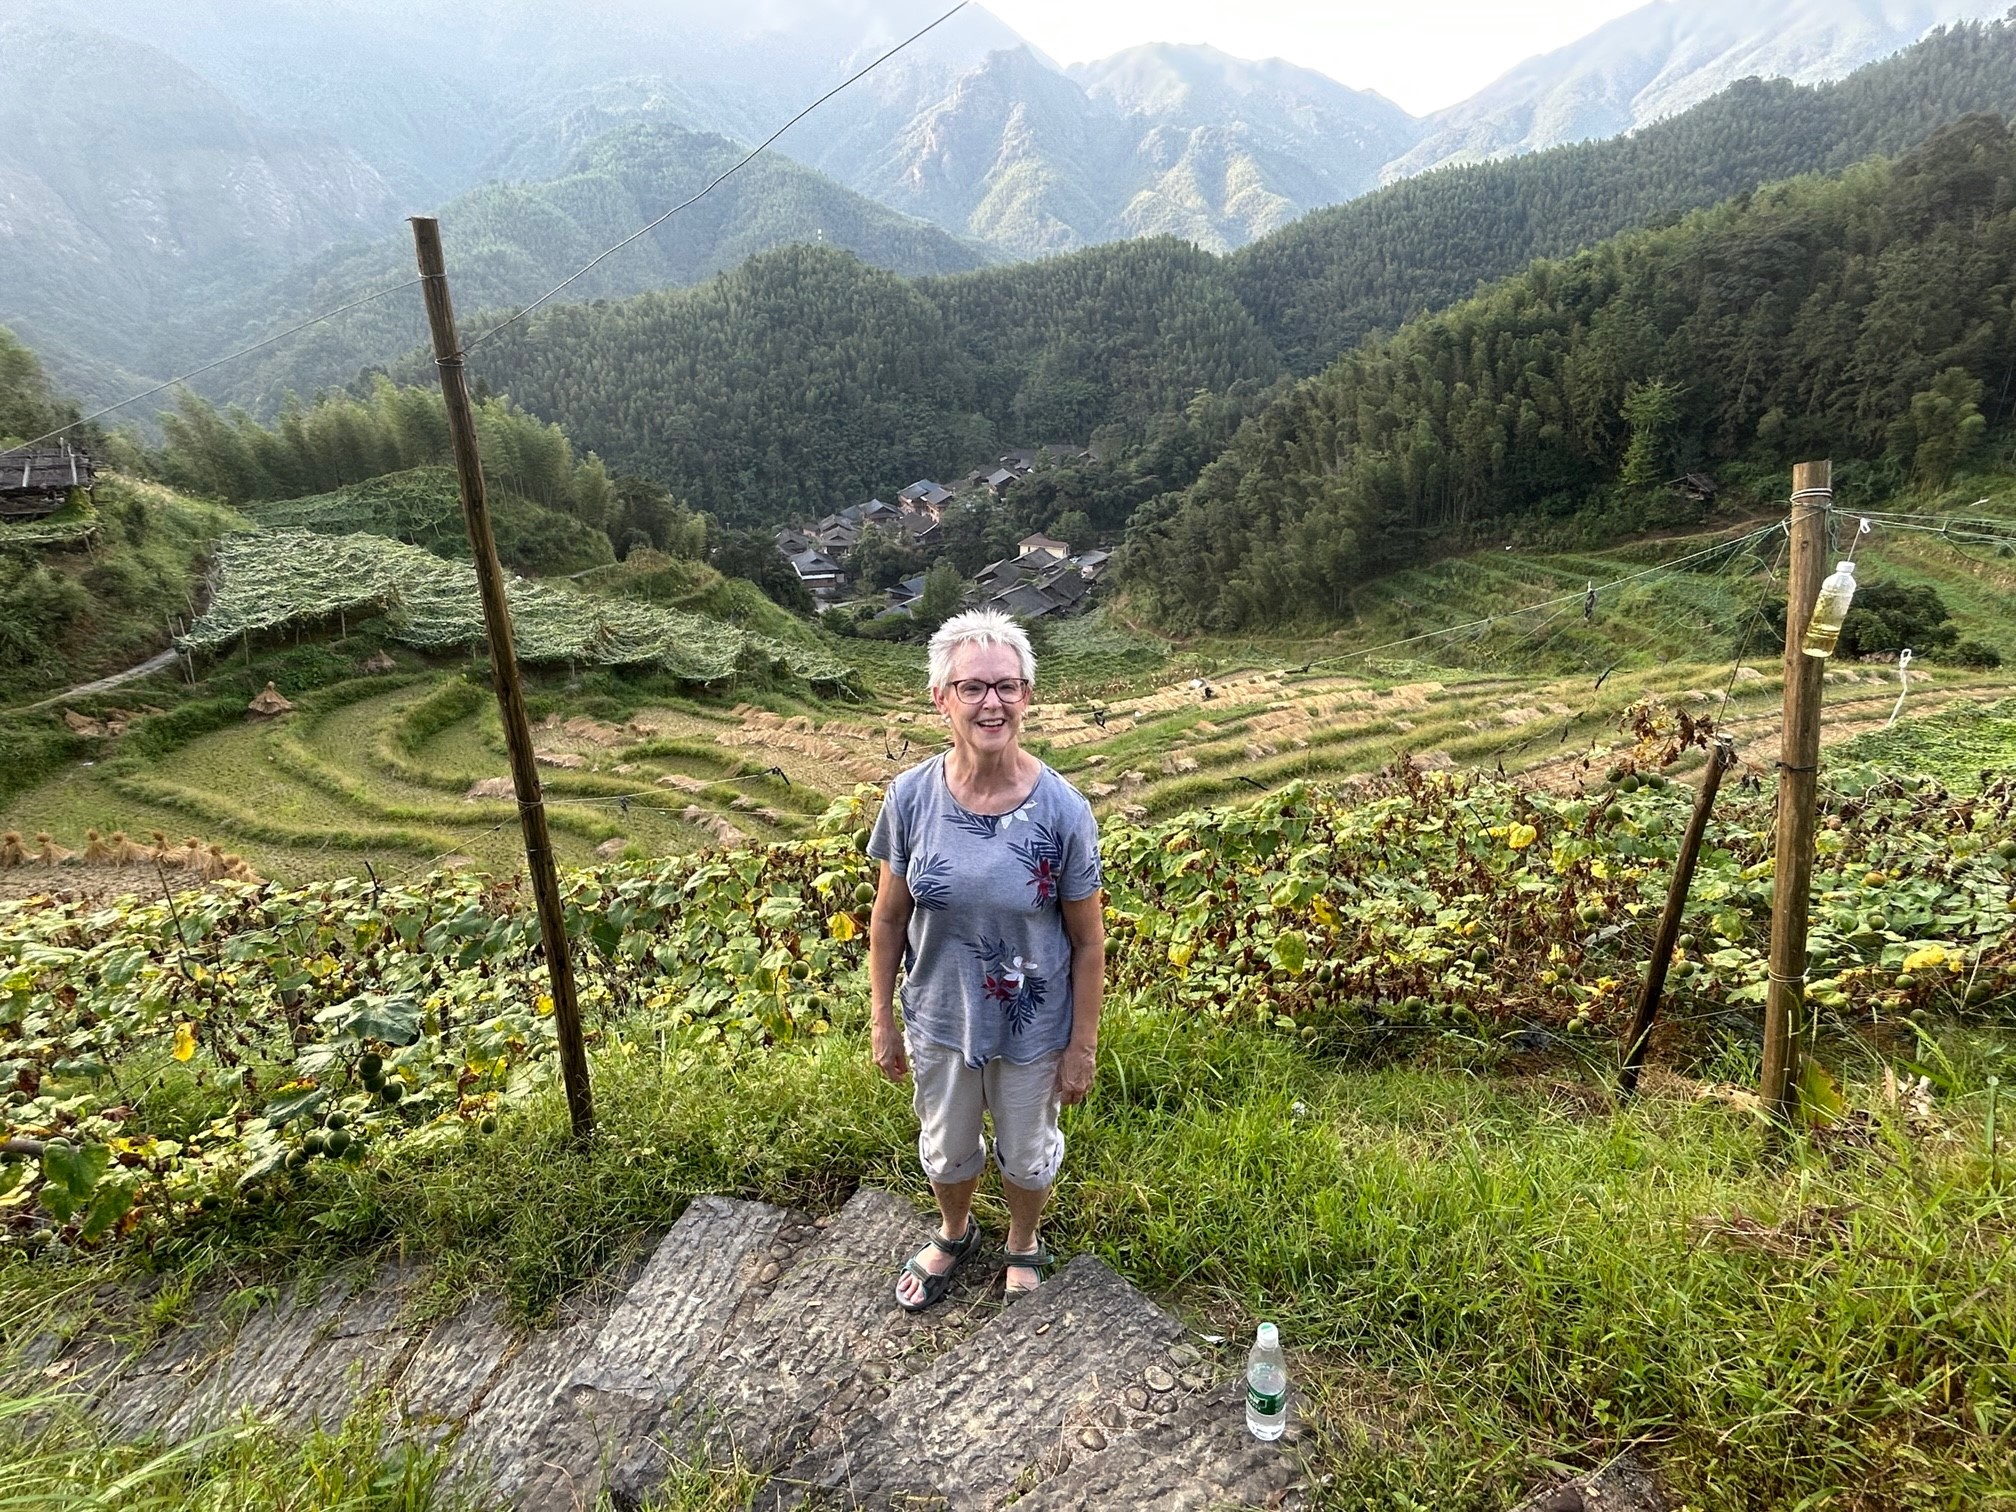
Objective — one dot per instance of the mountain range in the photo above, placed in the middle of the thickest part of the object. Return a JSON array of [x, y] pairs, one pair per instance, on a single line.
[[203, 163]]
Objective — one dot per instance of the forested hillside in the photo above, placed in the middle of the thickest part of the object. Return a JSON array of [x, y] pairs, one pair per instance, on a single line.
[[804, 378], [509, 243], [1866, 316], [27, 407], [1323, 284], [801, 380]]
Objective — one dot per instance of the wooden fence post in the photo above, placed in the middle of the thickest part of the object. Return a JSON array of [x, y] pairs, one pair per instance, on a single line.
[[1798, 788], [1721, 756], [504, 669]]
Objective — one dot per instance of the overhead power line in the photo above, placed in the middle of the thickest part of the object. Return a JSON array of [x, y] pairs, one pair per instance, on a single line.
[[228, 357], [750, 156], [1576, 597]]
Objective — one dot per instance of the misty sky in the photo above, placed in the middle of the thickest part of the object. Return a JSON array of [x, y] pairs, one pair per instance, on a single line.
[[1421, 54]]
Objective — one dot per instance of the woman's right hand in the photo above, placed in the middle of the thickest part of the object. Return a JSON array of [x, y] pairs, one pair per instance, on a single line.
[[885, 1042]]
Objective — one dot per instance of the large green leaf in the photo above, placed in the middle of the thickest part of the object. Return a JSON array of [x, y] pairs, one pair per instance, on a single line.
[[69, 1175], [393, 1020], [285, 1109], [112, 1201]]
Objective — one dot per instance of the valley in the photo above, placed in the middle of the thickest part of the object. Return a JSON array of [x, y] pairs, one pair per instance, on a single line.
[[1397, 506]]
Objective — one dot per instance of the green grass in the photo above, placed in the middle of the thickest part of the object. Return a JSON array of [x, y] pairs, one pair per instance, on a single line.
[[1481, 1273], [1958, 745], [69, 616], [53, 1458]]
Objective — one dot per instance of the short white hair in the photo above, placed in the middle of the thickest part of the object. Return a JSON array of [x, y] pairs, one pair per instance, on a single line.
[[978, 627]]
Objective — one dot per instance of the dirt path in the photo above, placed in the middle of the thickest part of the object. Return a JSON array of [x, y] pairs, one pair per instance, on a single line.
[[1757, 740], [158, 663]]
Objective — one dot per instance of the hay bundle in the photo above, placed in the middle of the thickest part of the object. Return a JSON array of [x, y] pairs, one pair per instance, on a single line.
[[48, 852], [96, 851], [11, 853], [270, 703], [680, 782], [193, 856], [490, 787], [714, 824], [1176, 765], [127, 853], [1259, 750], [1100, 790]]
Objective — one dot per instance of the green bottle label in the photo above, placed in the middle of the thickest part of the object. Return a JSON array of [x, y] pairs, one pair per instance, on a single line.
[[1266, 1403]]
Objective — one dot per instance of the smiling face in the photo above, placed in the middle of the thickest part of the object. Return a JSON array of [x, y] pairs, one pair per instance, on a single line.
[[990, 726]]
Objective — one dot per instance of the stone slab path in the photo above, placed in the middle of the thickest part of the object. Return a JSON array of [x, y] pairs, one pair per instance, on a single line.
[[755, 1335]]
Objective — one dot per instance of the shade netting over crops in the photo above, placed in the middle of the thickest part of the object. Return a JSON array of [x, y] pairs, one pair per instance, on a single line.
[[269, 579]]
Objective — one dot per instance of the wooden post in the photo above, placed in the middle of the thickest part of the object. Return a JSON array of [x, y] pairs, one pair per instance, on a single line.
[[1721, 756], [1798, 786], [504, 670]]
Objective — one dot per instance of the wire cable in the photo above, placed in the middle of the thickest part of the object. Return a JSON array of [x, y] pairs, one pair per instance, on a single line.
[[229, 357], [716, 181], [1576, 597]]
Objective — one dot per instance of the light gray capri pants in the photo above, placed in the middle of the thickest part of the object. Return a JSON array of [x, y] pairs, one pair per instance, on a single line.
[[950, 1099]]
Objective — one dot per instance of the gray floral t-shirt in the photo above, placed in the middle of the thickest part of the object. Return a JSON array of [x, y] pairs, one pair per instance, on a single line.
[[987, 971]]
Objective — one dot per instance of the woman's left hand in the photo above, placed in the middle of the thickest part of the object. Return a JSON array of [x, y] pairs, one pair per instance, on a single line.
[[1075, 1072]]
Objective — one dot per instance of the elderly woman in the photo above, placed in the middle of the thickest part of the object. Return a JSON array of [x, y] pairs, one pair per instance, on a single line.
[[989, 903]]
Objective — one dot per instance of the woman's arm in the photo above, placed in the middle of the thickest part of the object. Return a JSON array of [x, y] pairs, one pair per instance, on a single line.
[[888, 925], [1085, 923]]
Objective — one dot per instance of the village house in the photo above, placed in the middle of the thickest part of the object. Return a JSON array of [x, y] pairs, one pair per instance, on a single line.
[[37, 480], [819, 572], [926, 498], [1040, 544]]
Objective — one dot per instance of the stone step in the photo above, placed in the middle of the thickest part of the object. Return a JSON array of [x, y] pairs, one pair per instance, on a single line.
[[1200, 1457], [302, 1360], [649, 1350], [994, 1417], [812, 1346]]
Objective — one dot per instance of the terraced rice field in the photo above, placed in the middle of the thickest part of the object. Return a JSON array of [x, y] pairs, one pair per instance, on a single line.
[[409, 772]]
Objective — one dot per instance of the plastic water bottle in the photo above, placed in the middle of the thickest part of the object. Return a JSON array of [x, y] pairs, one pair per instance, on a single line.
[[1267, 1386], [1823, 630]]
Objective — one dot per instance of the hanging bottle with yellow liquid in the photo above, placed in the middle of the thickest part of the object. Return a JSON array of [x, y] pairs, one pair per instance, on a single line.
[[1823, 630]]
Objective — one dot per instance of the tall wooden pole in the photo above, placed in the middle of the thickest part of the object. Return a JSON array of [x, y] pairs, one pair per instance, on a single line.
[[1798, 786], [504, 671], [1720, 756]]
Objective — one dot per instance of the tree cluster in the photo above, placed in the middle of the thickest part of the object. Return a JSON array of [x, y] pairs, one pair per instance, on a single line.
[[805, 379], [1326, 282], [1865, 316]]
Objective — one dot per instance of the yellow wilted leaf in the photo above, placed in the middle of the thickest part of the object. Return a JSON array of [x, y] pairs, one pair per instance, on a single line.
[[1181, 952], [544, 1003], [1920, 960], [185, 1041], [1322, 912], [1521, 835], [842, 926]]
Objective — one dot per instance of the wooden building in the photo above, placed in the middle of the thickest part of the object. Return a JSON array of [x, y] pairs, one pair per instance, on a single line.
[[35, 481]]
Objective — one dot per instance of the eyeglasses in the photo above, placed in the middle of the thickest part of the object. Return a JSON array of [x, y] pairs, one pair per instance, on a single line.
[[973, 690]]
